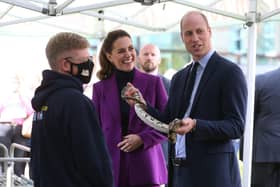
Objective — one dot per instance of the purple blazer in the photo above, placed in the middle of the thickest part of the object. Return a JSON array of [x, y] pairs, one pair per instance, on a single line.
[[146, 165]]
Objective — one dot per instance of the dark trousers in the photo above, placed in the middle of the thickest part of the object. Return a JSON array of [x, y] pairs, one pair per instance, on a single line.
[[12, 134], [265, 175], [181, 177]]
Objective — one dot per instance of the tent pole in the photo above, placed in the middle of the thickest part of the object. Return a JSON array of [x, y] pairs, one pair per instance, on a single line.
[[6, 11], [270, 14], [63, 5], [210, 9], [23, 4], [97, 6], [251, 73], [125, 21]]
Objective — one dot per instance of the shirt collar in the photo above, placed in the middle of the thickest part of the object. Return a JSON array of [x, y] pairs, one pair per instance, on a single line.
[[204, 60]]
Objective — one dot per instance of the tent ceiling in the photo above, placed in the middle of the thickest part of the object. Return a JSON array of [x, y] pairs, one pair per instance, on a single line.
[[40, 17]]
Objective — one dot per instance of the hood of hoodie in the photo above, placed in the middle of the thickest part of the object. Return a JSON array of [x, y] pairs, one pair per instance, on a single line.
[[53, 81]]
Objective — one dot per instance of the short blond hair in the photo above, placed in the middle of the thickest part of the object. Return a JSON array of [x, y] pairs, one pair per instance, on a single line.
[[63, 42]]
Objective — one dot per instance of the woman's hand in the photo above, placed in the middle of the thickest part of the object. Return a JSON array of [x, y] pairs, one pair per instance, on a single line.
[[130, 143], [132, 92]]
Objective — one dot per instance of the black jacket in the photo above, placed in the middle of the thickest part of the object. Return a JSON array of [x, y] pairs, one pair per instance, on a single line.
[[67, 147]]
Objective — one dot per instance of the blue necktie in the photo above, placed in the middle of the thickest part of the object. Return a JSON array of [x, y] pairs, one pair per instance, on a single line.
[[188, 89]]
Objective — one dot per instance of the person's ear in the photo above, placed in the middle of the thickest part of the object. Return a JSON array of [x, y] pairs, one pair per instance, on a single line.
[[109, 57], [182, 37], [64, 66], [210, 31]]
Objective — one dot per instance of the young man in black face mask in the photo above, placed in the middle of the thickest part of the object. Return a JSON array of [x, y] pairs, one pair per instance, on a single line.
[[67, 146]]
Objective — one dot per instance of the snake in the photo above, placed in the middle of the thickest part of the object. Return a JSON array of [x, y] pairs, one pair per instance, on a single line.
[[140, 110]]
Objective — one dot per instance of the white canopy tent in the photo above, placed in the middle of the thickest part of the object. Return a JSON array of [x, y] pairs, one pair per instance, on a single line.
[[96, 18]]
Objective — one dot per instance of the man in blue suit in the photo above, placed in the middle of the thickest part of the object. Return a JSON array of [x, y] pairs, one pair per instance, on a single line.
[[266, 144], [204, 155]]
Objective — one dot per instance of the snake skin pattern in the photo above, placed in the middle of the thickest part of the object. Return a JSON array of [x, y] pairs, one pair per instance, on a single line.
[[140, 107]]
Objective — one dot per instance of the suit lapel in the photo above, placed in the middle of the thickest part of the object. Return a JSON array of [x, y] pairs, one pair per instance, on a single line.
[[181, 90], [140, 82], [111, 98], [207, 74]]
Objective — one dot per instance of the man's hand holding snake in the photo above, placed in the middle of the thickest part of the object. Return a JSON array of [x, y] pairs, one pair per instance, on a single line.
[[187, 125]]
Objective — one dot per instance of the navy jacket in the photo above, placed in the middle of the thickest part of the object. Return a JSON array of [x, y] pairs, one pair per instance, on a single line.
[[67, 147], [266, 144], [219, 107], [166, 82]]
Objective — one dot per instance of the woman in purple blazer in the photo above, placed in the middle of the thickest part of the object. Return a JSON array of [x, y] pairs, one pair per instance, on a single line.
[[135, 148]]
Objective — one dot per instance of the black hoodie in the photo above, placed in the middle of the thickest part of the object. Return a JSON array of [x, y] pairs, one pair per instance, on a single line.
[[67, 147]]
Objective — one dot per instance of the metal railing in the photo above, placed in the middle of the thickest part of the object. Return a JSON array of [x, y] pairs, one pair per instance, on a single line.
[[8, 178]]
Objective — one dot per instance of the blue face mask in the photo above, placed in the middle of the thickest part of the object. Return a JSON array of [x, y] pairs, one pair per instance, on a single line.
[[84, 70]]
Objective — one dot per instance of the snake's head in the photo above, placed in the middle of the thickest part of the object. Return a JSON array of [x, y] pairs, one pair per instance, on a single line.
[[137, 97]]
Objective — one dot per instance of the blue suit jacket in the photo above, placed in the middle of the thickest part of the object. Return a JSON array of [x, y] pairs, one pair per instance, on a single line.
[[266, 142], [219, 107]]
